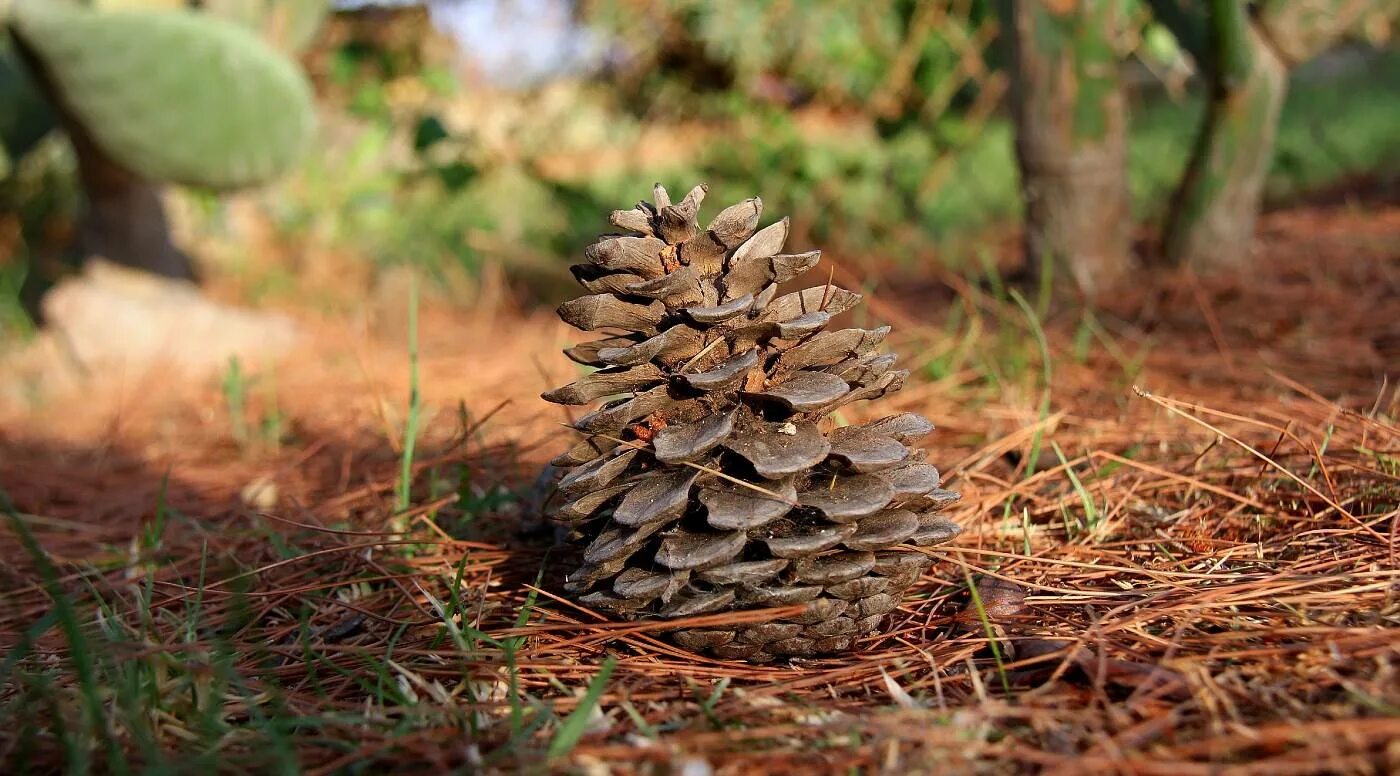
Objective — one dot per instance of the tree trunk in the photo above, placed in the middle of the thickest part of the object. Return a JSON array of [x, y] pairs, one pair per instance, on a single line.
[[1211, 221], [1246, 59], [123, 219], [1071, 142]]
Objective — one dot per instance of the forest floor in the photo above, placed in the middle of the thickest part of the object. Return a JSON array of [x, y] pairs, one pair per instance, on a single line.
[[1194, 492]]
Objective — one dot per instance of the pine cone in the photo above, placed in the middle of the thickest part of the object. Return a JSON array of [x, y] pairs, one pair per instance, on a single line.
[[709, 484]]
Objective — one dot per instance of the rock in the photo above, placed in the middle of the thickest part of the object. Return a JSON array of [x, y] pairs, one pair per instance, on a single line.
[[112, 321], [261, 494]]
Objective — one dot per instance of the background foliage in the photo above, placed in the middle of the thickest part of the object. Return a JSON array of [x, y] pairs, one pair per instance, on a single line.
[[878, 126]]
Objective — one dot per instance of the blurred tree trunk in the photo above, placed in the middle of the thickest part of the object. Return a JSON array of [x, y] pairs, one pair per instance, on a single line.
[[1246, 60], [1071, 143], [123, 218], [1211, 220]]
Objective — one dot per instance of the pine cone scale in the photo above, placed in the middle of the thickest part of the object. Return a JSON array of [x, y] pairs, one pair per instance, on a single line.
[[706, 481]]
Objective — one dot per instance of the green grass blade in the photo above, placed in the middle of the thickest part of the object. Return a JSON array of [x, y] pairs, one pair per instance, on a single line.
[[235, 391], [80, 652], [1091, 512], [577, 722], [987, 629], [410, 434], [1047, 374]]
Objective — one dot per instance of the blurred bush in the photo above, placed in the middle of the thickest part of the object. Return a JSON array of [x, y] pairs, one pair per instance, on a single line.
[[855, 118], [876, 125]]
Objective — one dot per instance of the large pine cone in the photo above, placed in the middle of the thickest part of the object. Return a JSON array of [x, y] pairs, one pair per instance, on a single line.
[[705, 481]]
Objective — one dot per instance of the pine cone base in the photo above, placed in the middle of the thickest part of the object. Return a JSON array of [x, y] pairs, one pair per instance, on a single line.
[[712, 477]]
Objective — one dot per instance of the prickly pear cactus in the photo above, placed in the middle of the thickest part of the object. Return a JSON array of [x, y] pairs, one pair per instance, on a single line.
[[24, 116], [172, 95], [127, 5], [287, 24]]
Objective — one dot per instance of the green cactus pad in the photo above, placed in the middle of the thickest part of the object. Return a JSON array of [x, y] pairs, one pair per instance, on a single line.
[[173, 95], [290, 25]]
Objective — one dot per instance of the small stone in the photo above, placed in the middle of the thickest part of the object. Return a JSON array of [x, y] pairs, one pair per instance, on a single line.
[[260, 494]]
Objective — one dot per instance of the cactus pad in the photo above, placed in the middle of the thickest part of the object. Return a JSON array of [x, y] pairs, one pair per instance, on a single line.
[[173, 95]]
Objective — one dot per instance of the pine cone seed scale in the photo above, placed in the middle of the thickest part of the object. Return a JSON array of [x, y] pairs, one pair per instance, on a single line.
[[705, 482]]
